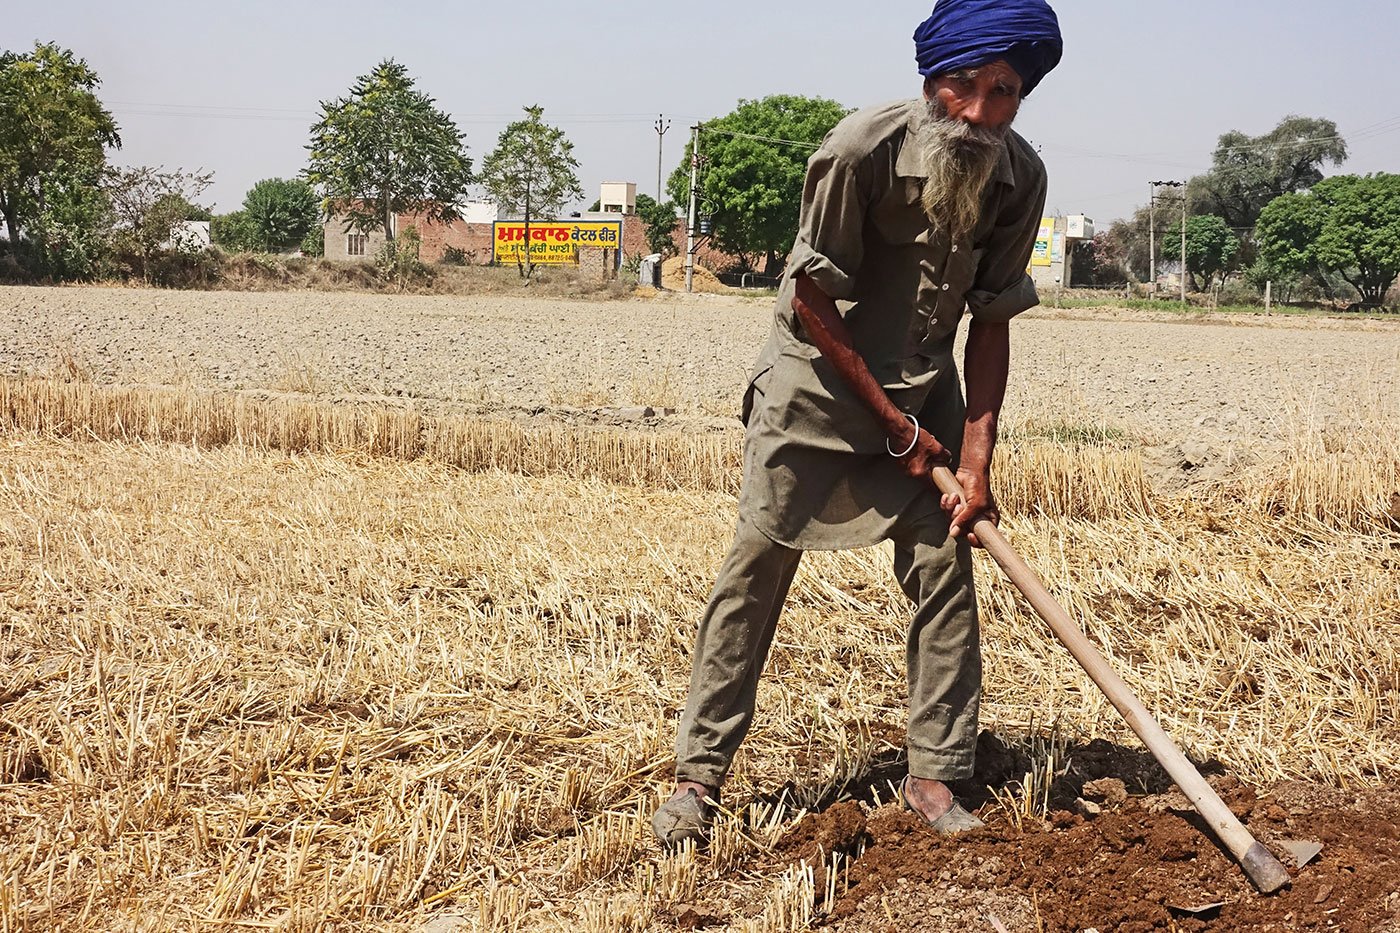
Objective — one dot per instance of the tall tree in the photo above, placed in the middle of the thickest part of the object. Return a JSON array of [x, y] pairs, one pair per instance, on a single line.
[[1248, 172], [753, 161], [1348, 224], [281, 212], [531, 171], [386, 149], [53, 130], [1212, 249]]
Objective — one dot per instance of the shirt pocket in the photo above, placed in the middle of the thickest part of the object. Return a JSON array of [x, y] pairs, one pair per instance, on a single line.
[[905, 282], [951, 287], [899, 216]]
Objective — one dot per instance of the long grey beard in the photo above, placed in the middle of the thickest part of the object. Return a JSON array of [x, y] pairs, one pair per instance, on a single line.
[[959, 160]]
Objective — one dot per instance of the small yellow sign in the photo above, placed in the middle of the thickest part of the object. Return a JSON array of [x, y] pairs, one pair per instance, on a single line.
[[553, 242], [1040, 255]]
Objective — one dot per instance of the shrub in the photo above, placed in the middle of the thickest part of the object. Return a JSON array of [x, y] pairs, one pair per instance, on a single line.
[[397, 261], [314, 243]]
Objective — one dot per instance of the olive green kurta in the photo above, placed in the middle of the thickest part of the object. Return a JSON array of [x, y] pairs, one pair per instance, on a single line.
[[816, 472]]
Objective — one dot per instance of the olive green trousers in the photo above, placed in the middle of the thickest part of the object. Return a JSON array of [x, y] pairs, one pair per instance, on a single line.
[[943, 653]]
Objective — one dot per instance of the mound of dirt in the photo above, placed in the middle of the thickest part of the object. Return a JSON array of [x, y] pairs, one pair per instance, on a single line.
[[1143, 864], [703, 280]]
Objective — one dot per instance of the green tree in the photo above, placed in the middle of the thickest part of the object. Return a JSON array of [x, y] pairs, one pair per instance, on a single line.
[[753, 161], [1129, 239], [1211, 247], [531, 171], [234, 232], [147, 205], [282, 211], [659, 223], [1248, 172], [176, 205], [69, 237], [53, 131], [1347, 224], [385, 149], [1098, 262]]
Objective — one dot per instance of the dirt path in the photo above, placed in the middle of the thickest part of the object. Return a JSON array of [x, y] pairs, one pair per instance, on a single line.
[[1202, 387]]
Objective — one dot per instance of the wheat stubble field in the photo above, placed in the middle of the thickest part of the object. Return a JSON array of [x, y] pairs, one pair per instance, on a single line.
[[284, 650]]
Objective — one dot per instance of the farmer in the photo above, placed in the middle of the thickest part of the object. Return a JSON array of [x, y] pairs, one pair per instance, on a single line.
[[912, 212]]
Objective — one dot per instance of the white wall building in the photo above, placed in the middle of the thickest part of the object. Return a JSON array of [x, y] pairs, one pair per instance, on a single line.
[[618, 197]]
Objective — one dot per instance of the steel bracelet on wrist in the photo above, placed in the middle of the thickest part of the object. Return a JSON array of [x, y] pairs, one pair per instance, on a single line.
[[912, 444]]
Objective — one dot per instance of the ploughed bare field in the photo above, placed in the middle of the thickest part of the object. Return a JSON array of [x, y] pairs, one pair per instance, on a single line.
[[1200, 393], [272, 660]]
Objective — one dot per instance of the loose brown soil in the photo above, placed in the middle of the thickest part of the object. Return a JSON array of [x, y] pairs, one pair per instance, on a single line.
[[1142, 862]]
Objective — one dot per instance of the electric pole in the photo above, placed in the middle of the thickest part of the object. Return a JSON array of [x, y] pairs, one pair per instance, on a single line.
[[1152, 239], [690, 218], [1183, 244], [662, 125], [1153, 231]]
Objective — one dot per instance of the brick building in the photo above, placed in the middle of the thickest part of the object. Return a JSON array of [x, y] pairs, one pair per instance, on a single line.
[[472, 235]]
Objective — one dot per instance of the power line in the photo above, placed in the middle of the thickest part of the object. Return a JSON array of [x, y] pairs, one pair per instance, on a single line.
[[764, 139], [1368, 131], [213, 112]]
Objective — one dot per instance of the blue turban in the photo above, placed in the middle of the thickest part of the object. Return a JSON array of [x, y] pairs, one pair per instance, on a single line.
[[969, 33]]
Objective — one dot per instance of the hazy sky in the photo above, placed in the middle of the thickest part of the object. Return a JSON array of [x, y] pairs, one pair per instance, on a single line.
[[1142, 94]]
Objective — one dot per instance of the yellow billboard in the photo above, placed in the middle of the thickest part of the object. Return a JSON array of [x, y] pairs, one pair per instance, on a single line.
[[1040, 255], [553, 242]]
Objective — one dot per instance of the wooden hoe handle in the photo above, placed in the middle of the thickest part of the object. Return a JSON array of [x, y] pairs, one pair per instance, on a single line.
[[1265, 871]]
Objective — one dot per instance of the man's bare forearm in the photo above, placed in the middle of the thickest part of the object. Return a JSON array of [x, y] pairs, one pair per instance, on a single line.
[[986, 361], [823, 325]]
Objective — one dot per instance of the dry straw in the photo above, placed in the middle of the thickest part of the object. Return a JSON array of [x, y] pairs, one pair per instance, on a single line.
[[1035, 477], [273, 665]]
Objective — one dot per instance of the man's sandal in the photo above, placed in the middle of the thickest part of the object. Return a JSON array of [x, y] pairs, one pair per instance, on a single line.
[[956, 820], [683, 819]]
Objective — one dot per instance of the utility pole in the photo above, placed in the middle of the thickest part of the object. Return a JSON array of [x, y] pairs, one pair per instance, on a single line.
[[662, 125], [1151, 223], [690, 218], [1183, 244], [1152, 239]]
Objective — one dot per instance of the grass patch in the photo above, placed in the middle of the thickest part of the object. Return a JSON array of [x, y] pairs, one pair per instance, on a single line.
[[1176, 307], [1075, 435]]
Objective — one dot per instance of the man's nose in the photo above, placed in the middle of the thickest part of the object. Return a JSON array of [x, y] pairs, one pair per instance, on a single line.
[[975, 112]]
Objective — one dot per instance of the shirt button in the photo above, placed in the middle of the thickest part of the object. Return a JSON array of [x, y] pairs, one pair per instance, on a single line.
[[945, 286], [955, 248]]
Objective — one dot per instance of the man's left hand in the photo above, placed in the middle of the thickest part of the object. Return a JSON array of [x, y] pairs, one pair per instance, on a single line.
[[976, 504]]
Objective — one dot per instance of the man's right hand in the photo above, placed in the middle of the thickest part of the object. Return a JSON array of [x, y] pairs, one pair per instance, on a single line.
[[926, 455]]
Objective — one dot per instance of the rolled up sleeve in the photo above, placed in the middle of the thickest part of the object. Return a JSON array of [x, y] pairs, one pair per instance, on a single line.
[[1002, 289], [828, 247]]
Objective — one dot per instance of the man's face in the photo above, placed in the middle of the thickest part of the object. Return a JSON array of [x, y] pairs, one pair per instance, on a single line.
[[987, 96], [970, 114]]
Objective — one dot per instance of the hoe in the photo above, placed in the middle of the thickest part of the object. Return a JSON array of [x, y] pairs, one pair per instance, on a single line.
[[1265, 872]]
